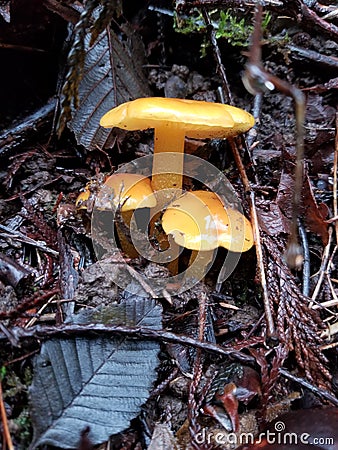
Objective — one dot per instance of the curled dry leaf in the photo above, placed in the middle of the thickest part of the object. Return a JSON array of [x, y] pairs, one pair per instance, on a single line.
[[314, 214]]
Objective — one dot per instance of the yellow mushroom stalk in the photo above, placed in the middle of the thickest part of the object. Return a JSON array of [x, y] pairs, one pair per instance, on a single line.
[[130, 192]]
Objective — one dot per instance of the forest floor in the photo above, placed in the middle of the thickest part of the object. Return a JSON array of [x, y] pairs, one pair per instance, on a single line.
[[228, 355]]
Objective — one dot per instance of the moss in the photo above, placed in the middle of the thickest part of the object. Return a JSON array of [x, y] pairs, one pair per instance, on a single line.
[[23, 427], [15, 394], [236, 31]]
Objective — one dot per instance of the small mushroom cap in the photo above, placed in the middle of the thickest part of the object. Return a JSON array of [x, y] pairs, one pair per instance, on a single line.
[[198, 220], [197, 118], [131, 191], [82, 198]]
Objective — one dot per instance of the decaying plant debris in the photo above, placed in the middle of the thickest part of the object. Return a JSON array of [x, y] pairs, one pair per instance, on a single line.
[[129, 370]]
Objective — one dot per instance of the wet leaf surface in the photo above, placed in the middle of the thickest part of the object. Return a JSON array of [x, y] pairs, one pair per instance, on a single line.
[[99, 383]]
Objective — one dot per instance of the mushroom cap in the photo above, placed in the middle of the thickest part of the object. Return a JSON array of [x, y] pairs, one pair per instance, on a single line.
[[130, 190], [198, 119], [82, 198], [198, 220]]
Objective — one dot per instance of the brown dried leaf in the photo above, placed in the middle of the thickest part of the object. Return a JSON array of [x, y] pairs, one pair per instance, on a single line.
[[318, 113], [271, 219], [315, 215], [111, 76]]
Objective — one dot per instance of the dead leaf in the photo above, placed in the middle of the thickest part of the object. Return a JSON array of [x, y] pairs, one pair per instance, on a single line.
[[111, 76], [98, 382], [5, 10], [271, 218], [315, 215]]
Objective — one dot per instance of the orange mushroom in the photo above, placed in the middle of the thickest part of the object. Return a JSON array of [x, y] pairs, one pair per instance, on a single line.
[[127, 192], [200, 222], [173, 120], [131, 191]]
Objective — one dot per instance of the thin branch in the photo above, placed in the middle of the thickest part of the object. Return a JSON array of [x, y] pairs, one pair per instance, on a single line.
[[318, 391], [306, 263], [257, 239], [20, 237], [335, 180], [257, 80], [6, 433], [322, 270], [68, 330], [328, 28], [21, 133], [217, 55]]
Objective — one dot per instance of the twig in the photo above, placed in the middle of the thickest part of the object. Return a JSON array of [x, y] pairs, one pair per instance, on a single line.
[[217, 55], [318, 391], [197, 373], [68, 275], [328, 28], [306, 262], [17, 235], [334, 302], [33, 320], [27, 304], [256, 112], [257, 239], [304, 54], [7, 435], [335, 180], [22, 48], [258, 80], [322, 270], [256, 54], [140, 280], [329, 346], [244, 177], [14, 137], [223, 3], [68, 330], [262, 274]]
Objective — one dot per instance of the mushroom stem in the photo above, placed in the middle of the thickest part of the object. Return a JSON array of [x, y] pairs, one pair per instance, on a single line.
[[199, 264], [167, 170], [126, 246]]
